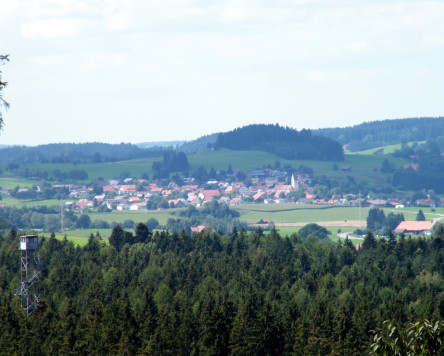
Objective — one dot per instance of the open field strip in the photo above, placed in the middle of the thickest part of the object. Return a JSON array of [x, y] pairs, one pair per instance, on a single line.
[[137, 216], [104, 233], [11, 182], [77, 241], [354, 224], [282, 214], [389, 149], [302, 214], [18, 203], [335, 235]]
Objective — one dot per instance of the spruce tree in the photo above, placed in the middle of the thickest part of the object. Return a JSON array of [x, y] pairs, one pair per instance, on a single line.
[[420, 216]]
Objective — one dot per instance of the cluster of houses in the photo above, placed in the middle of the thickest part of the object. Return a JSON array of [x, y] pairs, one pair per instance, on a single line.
[[134, 194], [267, 186]]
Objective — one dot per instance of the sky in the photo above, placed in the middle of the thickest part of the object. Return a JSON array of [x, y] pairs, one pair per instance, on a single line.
[[157, 70]]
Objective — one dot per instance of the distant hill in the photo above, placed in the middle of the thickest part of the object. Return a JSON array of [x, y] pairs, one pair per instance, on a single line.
[[198, 145], [385, 132], [93, 152], [171, 144], [284, 142]]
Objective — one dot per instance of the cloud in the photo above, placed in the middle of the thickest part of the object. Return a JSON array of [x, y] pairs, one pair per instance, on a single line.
[[237, 59], [51, 29]]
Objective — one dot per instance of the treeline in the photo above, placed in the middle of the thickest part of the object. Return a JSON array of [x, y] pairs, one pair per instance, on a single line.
[[242, 294], [93, 152], [381, 224], [219, 217], [427, 173], [171, 162], [385, 132], [284, 142]]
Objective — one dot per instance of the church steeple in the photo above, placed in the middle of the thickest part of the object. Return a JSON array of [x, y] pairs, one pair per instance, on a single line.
[[294, 183]]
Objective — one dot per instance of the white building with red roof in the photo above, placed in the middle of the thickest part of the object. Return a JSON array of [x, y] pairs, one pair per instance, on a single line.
[[415, 227]]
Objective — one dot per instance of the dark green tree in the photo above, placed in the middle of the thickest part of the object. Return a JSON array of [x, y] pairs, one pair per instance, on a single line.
[[117, 238], [84, 221], [420, 216], [375, 219], [369, 241], [142, 234], [313, 230], [245, 334]]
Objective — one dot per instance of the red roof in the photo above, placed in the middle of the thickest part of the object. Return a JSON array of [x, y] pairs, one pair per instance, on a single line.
[[197, 228], [210, 193], [128, 187], [416, 226], [258, 195]]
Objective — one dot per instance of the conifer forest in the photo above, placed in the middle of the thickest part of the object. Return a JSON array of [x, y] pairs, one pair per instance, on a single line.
[[246, 293]]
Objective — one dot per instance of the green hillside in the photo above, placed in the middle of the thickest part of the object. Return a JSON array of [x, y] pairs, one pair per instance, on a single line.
[[363, 167], [390, 149]]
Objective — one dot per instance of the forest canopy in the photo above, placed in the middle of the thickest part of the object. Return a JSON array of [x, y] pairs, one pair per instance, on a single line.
[[385, 132], [238, 294], [284, 142]]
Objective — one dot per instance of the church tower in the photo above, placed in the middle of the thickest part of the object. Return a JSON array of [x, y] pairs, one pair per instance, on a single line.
[[294, 183]]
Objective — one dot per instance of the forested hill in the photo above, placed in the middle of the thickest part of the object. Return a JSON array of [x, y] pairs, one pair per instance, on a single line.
[[200, 144], [93, 152], [385, 132], [284, 142]]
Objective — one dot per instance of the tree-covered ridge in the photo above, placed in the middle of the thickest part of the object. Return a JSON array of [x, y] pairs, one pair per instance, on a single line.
[[385, 132], [92, 152], [242, 294], [285, 142]]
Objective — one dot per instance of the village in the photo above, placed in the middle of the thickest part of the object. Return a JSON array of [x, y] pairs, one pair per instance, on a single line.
[[263, 186]]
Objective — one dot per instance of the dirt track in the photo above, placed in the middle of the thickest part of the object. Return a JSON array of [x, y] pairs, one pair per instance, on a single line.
[[351, 223]]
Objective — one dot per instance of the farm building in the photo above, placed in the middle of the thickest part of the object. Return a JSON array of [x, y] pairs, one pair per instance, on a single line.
[[415, 227]]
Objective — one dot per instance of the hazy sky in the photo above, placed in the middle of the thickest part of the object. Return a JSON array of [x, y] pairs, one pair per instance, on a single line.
[[141, 70]]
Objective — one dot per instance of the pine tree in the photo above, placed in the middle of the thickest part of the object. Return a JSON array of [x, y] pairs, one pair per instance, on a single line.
[[68, 330], [420, 216], [244, 338], [164, 341], [117, 238], [142, 233], [369, 241]]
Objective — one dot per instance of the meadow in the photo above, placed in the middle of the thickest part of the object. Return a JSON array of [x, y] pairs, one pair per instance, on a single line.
[[277, 213], [389, 149], [7, 200], [77, 241], [252, 213], [363, 167]]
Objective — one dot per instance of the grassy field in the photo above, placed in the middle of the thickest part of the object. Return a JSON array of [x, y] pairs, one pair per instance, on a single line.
[[252, 213], [288, 230], [104, 233], [9, 181], [77, 241], [387, 149], [294, 213], [278, 213], [137, 216], [107, 170], [363, 167], [10, 201]]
